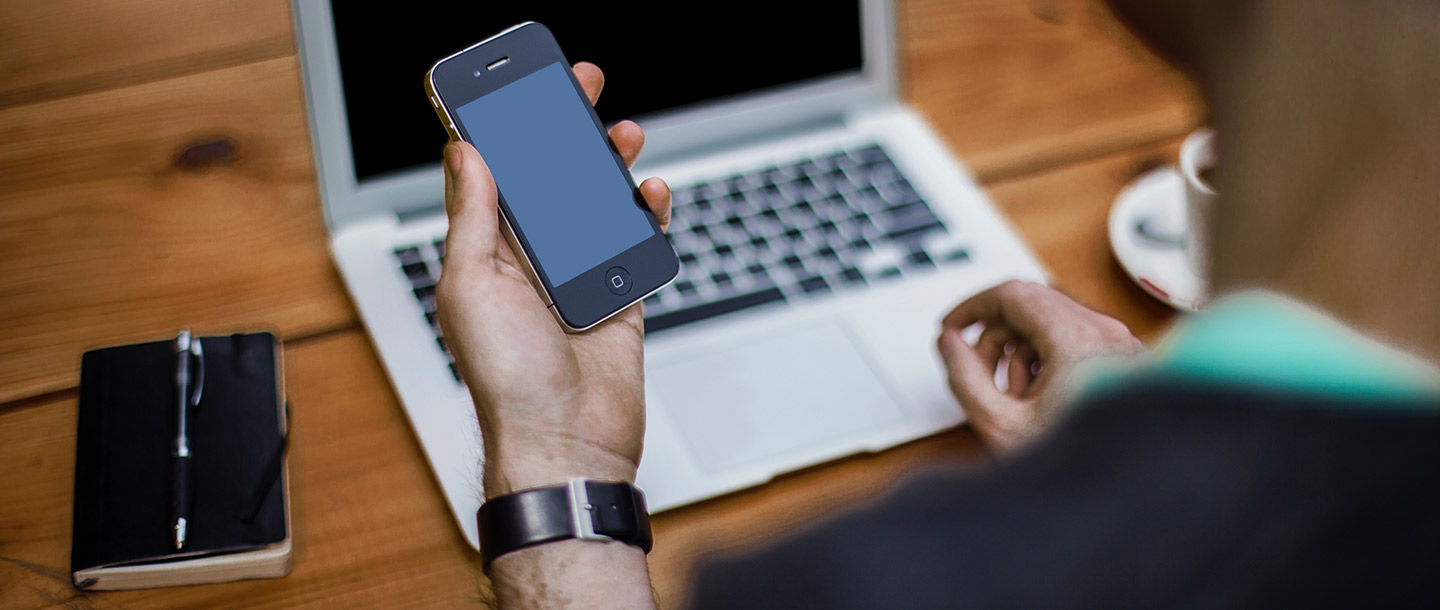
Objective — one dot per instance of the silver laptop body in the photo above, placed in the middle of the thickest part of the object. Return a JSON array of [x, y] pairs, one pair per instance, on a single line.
[[814, 297]]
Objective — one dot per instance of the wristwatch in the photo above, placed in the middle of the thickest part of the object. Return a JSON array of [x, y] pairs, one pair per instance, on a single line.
[[584, 509]]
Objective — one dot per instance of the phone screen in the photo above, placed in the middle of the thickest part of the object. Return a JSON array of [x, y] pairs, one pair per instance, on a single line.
[[556, 172]]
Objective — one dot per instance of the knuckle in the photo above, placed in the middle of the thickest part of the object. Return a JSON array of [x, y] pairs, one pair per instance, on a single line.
[[1011, 289]]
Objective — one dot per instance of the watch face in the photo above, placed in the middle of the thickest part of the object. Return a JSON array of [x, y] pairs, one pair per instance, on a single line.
[[604, 510]]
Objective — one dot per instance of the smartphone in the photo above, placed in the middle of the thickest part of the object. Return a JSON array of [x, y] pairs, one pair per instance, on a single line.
[[568, 203]]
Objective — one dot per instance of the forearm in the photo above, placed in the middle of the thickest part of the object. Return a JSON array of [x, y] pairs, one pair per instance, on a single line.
[[573, 574]]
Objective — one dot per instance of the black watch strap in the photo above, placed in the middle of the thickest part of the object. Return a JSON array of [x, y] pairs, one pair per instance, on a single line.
[[584, 509]]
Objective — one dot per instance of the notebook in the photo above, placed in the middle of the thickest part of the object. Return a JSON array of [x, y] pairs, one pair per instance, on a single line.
[[239, 524]]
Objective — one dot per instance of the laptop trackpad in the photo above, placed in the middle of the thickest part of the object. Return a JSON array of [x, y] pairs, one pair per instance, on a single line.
[[780, 394]]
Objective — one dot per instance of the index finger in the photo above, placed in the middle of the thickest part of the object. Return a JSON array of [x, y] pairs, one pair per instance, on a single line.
[[1014, 304]]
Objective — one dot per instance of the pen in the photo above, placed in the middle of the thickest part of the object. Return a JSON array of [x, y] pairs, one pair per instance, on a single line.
[[186, 347]]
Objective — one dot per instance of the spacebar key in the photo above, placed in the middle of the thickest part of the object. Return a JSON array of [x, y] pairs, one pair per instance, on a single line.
[[710, 310]]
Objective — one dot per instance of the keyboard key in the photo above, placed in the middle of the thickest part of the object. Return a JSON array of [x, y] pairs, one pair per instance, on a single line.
[[814, 284], [455, 370], [433, 320], [882, 173], [871, 154], [867, 199], [720, 278], [908, 222], [919, 258], [756, 269], [956, 256], [408, 255], [899, 233], [852, 275], [900, 192], [840, 179], [426, 296], [841, 159], [662, 322], [685, 287], [416, 270]]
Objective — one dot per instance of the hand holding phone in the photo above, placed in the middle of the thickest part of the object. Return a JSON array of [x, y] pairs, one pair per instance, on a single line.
[[552, 405], [567, 200], [576, 398]]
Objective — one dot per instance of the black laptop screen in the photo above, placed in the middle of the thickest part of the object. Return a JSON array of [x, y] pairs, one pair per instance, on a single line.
[[656, 56]]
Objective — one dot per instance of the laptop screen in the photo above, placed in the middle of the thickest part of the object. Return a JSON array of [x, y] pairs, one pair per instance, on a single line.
[[657, 56]]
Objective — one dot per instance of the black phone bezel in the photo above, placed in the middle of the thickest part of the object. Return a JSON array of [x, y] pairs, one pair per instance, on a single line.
[[584, 300]]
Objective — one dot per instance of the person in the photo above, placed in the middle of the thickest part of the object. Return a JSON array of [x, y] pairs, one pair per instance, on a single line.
[[1278, 450]]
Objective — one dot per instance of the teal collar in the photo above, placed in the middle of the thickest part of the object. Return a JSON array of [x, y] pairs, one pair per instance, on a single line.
[[1264, 339]]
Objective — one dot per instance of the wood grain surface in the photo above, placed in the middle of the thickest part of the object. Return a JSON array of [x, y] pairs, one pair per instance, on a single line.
[[59, 48], [1017, 86], [155, 171], [127, 213]]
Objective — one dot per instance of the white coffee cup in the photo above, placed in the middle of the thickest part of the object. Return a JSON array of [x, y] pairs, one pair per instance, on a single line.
[[1197, 154]]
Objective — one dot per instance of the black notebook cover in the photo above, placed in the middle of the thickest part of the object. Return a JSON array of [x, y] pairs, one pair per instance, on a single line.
[[126, 438]]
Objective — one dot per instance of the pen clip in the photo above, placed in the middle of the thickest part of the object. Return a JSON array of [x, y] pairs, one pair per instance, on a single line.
[[198, 352]]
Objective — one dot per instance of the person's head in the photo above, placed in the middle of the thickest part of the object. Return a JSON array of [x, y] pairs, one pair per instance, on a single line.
[[1329, 160]]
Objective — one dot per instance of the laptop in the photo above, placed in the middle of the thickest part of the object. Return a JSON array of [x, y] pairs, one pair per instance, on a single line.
[[823, 228]]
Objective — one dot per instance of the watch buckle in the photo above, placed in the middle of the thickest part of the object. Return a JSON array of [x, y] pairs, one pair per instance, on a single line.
[[580, 512]]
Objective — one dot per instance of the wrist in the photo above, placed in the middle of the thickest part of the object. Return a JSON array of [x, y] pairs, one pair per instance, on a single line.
[[517, 466]]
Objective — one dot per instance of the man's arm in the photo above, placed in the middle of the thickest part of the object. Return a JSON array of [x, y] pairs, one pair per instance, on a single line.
[[551, 406]]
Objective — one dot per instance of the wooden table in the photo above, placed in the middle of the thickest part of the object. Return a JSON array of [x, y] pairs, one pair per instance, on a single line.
[[155, 171]]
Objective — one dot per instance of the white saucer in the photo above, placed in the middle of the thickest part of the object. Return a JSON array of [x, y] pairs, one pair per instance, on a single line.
[[1158, 266]]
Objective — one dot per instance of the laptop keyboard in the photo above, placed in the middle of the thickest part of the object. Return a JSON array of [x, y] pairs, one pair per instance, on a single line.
[[782, 233], [421, 264], [822, 224]]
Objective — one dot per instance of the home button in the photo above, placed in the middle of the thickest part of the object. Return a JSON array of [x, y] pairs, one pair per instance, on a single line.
[[617, 279]]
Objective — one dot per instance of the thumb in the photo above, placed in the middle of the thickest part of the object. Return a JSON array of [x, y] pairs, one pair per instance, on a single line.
[[470, 202], [972, 382]]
